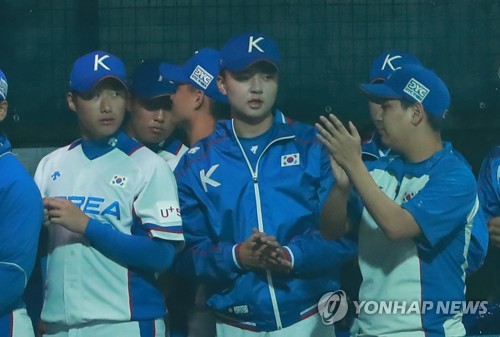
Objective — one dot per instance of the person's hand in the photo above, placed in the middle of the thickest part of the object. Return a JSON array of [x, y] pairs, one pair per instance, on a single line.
[[46, 221], [65, 213], [262, 251], [341, 178], [494, 230], [249, 251], [274, 256], [344, 146]]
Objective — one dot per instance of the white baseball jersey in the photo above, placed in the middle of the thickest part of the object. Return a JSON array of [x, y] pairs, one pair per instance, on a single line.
[[122, 184], [171, 150]]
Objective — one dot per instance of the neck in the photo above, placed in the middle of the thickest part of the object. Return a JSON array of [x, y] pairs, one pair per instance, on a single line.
[[249, 128], [202, 125], [423, 147]]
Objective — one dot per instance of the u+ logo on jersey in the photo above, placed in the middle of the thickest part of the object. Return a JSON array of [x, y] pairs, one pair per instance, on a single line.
[[206, 178]]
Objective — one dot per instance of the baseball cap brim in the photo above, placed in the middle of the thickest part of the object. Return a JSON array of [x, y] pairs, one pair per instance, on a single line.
[[242, 64], [91, 84], [379, 90]]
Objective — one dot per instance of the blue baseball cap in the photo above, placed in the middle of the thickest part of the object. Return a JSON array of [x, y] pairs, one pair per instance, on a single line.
[[385, 64], [148, 83], [3, 86], [93, 67], [414, 83], [201, 70], [243, 50]]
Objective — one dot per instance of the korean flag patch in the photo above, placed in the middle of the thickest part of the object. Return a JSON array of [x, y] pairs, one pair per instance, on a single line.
[[120, 181], [290, 159]]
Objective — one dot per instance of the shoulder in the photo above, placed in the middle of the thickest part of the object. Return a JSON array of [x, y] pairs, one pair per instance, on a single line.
[[60, 152], [18, 182], [453, 167], [493, 156]]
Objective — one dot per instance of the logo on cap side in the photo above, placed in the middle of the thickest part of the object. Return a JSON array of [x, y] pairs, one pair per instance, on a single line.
[[416, 90], [3, 88], [201, 77]]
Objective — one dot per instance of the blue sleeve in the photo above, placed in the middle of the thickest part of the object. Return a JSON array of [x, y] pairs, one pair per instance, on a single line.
[[326, 180], [204, 257], [130, 250], [21, 217], [478, 247], [443, 205], [313, 256], [489, 184], [12, 281]]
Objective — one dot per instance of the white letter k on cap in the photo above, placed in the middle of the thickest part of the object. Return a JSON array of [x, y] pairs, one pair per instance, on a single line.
[[98, 62], [252, 44], [388, 62]]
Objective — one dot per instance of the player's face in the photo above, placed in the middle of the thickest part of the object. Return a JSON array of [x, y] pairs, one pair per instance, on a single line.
[[251, 93], [394, 123], [184, 103], [100, 112], [374, 109], [150, 120]]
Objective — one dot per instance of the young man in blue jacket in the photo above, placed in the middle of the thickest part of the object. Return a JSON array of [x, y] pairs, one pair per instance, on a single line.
[[21, 216], [250, 197]]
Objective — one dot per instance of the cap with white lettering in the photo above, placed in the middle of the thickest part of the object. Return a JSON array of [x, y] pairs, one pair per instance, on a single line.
[[93, 67], [414, 83], [385, 64], [3, 86], [246, 49], [201, 70]]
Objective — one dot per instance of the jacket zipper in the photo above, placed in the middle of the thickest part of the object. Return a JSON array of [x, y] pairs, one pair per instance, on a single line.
[[255, 176]]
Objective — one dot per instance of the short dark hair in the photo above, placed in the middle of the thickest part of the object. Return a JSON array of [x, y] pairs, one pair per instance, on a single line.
[[436, 122]]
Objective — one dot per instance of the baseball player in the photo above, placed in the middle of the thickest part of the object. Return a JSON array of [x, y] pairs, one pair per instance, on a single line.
[[112, 213], [413, 211], [197, 102], [383, 66], [250, 195], [196, 106], [21, 217], [150, 112]]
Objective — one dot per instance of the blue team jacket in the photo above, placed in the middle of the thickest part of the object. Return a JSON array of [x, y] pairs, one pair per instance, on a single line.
[[21, 217], [222, 199]]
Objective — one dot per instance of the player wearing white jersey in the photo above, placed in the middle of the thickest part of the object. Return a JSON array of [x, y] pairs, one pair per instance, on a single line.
[[413, 211], [113, 221], [150, 112]]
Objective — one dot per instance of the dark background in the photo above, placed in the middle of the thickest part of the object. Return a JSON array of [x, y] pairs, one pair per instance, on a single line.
[[327, 47]]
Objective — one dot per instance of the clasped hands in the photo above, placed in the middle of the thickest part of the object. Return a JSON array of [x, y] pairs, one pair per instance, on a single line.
[[262, 251]]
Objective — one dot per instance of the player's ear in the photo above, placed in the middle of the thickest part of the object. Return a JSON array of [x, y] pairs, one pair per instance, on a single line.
[[418, 113], [199, 97], [71, 99], [221, 84], [4, 105]]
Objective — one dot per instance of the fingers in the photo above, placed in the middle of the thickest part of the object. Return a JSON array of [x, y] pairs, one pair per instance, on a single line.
[[354, 131]]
